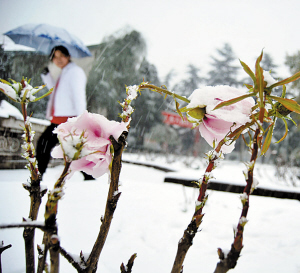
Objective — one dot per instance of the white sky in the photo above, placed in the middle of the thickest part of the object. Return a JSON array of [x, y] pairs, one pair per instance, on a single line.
[[177, 32]]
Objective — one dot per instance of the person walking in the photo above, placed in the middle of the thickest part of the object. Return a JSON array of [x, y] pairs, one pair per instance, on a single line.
[[67, 100]]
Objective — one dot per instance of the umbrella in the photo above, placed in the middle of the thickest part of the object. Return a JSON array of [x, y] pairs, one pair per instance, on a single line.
[[44, 37]]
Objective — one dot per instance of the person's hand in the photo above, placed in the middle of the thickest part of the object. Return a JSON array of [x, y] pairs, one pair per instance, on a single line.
[[45, 71]]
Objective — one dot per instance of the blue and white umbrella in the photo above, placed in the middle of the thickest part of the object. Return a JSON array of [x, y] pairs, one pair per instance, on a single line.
[[44, 37]]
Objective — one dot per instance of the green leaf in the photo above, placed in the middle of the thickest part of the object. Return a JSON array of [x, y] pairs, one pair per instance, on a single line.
[[283, 91], [236, 133], [286, 131], [24, 96], [287, 80], [193, 121], [248, 71], [197, 113], [289, 118], [177, 108], [258, 60], [184, 109], [259, 79], [249, 86], [45, 95], [288, 103], [38, 89], [6, 82], [232, 101], [268, 139]]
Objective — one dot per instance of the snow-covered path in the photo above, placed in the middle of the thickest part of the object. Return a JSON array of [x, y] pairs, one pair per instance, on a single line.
[[150, 219]]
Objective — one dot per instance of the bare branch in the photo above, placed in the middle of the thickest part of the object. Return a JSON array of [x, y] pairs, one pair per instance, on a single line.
[[128, 267], [111, 203], [70, 259], [25, 225], [3, 248], [229, 261]]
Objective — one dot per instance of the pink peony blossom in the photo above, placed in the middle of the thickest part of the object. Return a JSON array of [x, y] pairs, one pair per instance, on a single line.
[[85, 141], [214, 125]]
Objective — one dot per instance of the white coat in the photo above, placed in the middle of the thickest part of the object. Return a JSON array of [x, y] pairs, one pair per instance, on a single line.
[[69, 97]]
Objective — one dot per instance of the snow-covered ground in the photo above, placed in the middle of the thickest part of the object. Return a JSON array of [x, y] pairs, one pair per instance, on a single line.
[[151, 216]]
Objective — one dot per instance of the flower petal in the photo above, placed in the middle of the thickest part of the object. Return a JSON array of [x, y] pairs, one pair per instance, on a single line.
[[89, 135], [57, 152]]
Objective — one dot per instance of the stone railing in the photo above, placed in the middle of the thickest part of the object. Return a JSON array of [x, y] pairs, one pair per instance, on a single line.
[[11, 131]]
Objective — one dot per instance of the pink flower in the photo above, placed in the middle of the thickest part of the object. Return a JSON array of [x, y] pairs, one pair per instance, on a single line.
[[214, 125], [85, 141]]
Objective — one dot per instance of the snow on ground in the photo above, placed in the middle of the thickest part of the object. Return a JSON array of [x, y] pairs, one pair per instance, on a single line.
[[150, 219]]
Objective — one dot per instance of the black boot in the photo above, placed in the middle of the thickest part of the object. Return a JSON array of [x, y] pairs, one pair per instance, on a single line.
[[87, 176]]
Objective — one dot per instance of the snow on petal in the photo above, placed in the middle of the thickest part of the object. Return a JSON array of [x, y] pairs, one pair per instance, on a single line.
[[87, 137], [57, 152], [8, 90], [216, 124]]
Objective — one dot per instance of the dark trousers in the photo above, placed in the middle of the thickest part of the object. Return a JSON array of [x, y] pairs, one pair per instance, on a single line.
[[45, 144]]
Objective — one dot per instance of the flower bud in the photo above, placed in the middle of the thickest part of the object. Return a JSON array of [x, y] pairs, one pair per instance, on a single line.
[[197, 113]]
